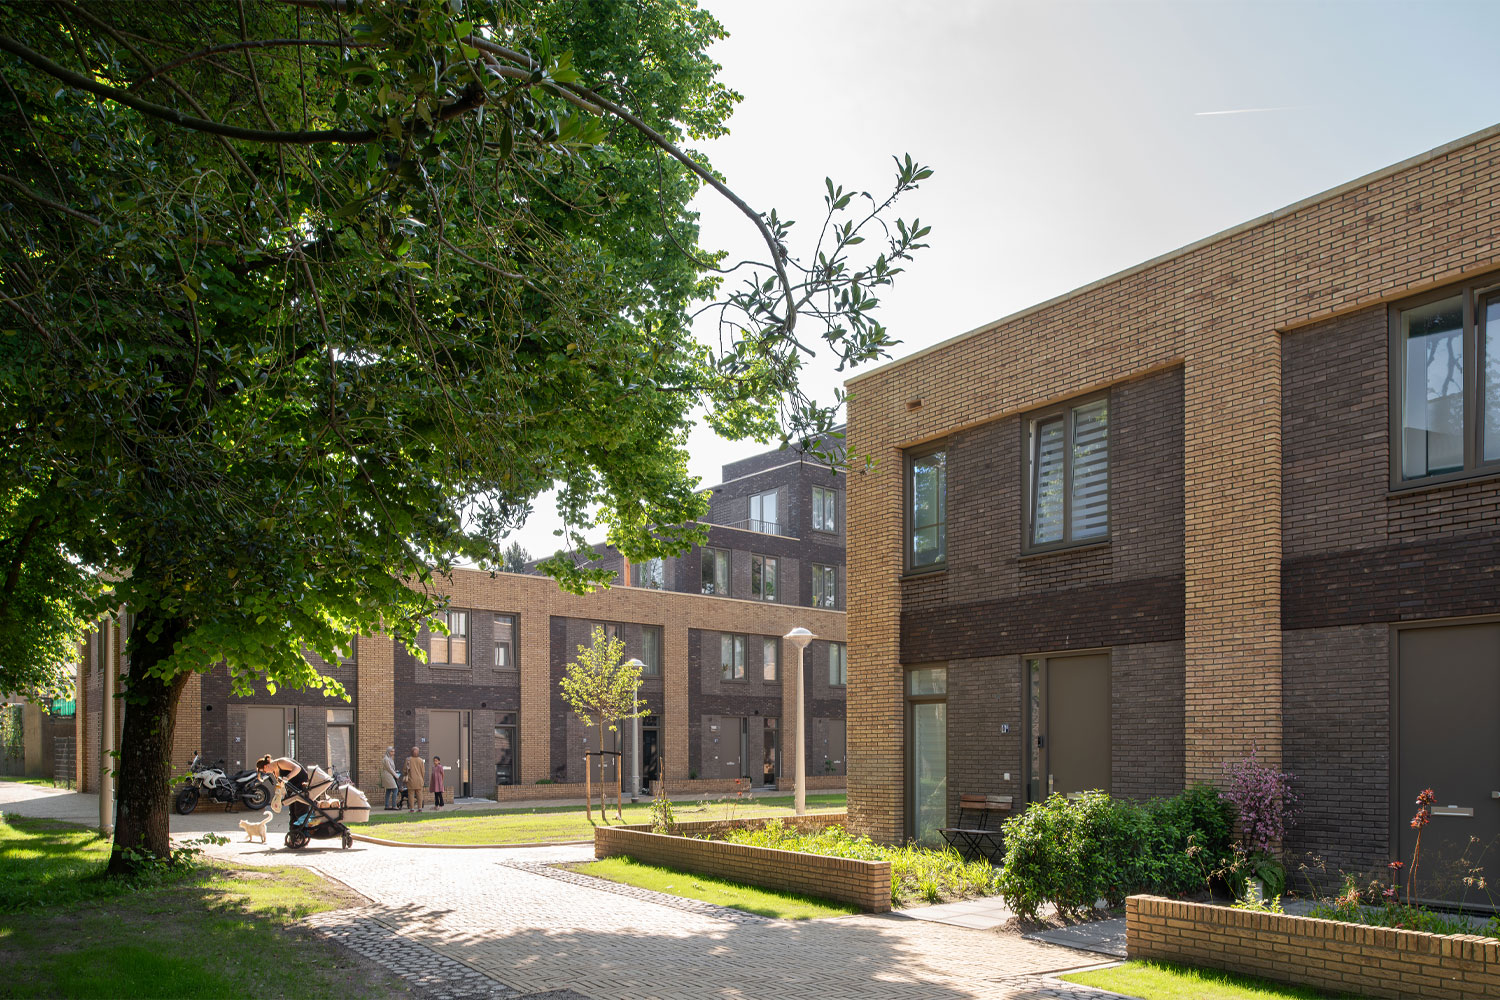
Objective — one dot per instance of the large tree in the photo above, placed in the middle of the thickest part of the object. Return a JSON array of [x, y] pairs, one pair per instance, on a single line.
[[305, 301]]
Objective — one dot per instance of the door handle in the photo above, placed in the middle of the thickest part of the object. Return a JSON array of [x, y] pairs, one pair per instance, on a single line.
[[1050, 779], [1452, 811]]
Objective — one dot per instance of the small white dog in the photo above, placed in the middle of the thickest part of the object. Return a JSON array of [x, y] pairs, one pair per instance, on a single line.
[[253, 830]]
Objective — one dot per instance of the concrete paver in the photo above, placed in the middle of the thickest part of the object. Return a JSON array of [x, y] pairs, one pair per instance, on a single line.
[[486, 922]]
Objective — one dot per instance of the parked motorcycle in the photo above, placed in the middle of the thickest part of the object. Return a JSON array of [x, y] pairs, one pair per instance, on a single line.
[[249, 787]]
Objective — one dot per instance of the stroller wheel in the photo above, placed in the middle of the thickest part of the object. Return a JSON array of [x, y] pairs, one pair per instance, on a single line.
[[296, 839], [348, 840]]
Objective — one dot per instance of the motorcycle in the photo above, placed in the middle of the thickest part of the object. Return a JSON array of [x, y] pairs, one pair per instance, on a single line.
[[249, 787]]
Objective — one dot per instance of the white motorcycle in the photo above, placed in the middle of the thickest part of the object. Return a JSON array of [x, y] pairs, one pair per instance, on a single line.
[[249, 787]]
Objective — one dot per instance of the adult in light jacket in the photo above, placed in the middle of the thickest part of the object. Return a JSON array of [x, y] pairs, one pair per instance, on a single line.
[[390, 778], [416, 779]]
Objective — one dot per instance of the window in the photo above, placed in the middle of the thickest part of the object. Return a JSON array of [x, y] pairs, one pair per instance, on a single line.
[[927, 510], [650, 574], [611, 631], [716, 572], [838, 664], [732, 656], [1446, 394], [651, 650], [768, 652], [763, 513], [825, 586], [341, 741], [506, 772], [505, 642], [825, 509], [763, 578], [451, 649], [1069, 489]]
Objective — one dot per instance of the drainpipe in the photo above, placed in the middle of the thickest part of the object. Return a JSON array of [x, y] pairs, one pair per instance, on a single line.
[[107, 734]]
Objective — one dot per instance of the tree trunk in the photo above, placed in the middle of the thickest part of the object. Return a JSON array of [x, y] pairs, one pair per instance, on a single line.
[[144, 770]]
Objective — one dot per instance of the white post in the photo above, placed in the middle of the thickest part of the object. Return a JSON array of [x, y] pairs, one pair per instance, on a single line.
[[107, 733], [635, 743], [800, 637]]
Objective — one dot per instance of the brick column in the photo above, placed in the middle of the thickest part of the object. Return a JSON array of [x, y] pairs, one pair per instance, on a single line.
[[535, 735], [675, 680], [187, 737], [375, 708]]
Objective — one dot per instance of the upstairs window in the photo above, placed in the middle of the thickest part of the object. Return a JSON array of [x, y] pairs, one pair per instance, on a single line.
[[825, 581], [732, 657], [650, 574], [763, 513], [651, 650], [768, 653], [927, 510], [763, 578], [825, 509], [451, 649], [505, 642], [838, 664], [1445, 366], [1069, 489], [716, 572]]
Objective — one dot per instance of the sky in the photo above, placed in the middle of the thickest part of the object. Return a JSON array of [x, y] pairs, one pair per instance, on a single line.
[[1070, 139]]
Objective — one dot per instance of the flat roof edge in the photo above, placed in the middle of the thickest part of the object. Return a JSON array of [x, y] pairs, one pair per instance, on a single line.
[[1472, 139]]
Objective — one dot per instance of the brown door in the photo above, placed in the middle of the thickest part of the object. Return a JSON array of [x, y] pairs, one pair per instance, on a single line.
[[1071, 724], [1447, 706], [444, 740], [265, 733]]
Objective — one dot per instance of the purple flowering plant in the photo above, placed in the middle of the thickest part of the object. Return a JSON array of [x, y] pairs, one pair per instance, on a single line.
[[1264, 801]]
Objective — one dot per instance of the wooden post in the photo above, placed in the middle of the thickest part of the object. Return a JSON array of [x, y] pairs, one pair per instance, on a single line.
[[588, 790], [619, 785]]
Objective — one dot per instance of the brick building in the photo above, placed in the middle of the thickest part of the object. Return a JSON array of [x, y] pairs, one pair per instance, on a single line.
[[1240, 496], [718, 678]]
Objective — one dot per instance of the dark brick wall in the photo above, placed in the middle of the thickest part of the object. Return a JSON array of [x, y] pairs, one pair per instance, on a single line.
[[568, 732], [220, 726], [1146, 690]]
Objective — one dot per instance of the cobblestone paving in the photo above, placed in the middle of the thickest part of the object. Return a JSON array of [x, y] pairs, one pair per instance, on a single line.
[[487, 913]]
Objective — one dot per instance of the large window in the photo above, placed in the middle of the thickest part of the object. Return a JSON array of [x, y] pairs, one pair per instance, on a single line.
[[716, 572], [505, 642], [825, 580], [1069, 475], [651, 650], [341, 741], [452, 649], [506, 770], [838, 664], [1446, 396], [732, 657], [768, 653], [927, 510], [763, 578], [825, 509], [763, 513], [650, 574]]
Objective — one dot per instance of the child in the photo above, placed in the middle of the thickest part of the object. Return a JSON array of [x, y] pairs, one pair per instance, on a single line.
[[437, 783], [403, 797]]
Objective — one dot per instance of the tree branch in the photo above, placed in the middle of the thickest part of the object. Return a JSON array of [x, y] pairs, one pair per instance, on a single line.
[[21, 186]]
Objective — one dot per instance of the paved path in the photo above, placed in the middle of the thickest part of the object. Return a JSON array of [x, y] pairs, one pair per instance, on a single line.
[[485, 923]]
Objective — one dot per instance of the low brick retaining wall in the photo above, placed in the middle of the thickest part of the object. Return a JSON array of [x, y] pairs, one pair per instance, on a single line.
[[676, 790], [865, 884], [1328, 954]]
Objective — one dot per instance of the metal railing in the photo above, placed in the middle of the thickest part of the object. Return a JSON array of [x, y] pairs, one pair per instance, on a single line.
[[764, 527]]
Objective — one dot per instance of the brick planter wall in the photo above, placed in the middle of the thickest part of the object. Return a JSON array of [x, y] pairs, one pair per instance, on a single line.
[[676, 789], [1328, 954], [865, 884]]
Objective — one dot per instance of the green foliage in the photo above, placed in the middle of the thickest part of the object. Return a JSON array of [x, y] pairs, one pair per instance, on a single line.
[[1153, 980], [12, 730], [515, 558], [599, 687], [1379, 905], [662, 818], [1073, 852], [719, 891], [916, 872]]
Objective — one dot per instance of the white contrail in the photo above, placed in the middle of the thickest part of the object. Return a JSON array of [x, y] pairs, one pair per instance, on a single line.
[[1249, 111]]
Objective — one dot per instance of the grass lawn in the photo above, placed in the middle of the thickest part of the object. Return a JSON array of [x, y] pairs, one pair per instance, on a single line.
[[210, 931], [42, 782], [766, 902], [550, 824], [1165, 981]]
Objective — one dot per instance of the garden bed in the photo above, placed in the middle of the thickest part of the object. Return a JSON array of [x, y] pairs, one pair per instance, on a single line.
[[1328, 954]]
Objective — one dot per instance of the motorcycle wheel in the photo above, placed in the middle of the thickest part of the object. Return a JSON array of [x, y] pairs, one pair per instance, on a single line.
[[187, 800], [296, 839], [256, 796]]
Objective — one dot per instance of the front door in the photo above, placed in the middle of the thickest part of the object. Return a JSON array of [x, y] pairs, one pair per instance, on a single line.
[[650, 755], [1070, 725], [265, 733], [1447, 706], [445, 740]]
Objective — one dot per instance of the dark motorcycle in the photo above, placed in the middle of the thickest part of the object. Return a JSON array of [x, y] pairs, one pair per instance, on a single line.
[[249, 787]]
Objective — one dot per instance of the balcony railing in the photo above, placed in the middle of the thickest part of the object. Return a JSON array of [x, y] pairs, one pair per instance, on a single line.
[[764, 527]]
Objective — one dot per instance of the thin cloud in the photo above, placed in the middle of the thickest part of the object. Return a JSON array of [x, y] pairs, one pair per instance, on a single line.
[[1250, 111]]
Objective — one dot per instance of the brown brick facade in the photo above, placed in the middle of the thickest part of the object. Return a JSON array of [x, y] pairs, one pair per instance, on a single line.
[[1275, 332]]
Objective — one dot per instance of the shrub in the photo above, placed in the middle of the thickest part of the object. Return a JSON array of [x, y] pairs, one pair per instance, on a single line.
[[1196, 829], [1264, 802]]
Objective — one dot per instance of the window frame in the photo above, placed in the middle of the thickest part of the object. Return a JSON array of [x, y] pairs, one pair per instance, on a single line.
[[843, 660], [773, 647], [434, 638], [1029, 443], [709, 555], [758, 581], [908, 492], [775, 496], [825, 576], [638, 572], [825, 497], [512, 643], [1473, 294], [652, 666], [737, 645]]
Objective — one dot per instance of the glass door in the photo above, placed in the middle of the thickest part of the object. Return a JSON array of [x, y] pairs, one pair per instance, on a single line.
[[927, 773]]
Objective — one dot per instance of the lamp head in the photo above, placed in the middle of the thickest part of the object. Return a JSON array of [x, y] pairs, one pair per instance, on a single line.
[[799, 637]]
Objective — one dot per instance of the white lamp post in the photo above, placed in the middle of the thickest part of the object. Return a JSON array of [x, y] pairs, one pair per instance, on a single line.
[[635, 743], [800, 637]]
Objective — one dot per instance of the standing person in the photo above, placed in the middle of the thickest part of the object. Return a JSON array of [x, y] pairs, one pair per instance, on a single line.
[[416, 779], [438, 781], [389, 778]]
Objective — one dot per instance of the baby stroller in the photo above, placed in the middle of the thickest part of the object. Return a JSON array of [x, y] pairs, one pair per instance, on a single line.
[[319, 808]]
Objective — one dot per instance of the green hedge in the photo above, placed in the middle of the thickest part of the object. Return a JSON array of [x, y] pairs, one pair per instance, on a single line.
[[1073, 852]]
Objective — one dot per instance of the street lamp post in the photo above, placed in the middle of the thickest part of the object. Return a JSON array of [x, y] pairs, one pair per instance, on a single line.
[[635, 742], [800, 637]]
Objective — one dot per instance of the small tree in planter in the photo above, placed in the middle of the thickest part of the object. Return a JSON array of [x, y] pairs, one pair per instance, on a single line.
[[1265, 808], [602, 690]]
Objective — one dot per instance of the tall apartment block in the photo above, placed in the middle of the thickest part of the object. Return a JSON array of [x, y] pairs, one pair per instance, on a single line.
[[1244, 497]]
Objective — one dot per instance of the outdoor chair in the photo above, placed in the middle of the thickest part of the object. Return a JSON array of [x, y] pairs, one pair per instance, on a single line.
[[978, 831]]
